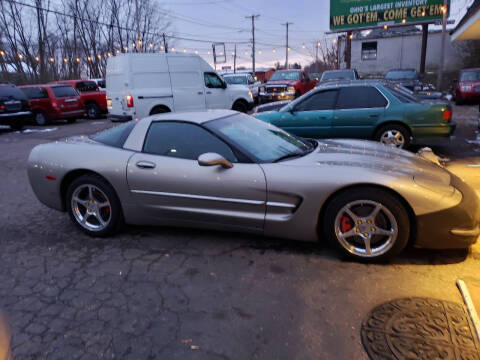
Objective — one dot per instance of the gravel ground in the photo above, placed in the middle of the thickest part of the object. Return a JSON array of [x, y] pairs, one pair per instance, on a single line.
[[165, 293]]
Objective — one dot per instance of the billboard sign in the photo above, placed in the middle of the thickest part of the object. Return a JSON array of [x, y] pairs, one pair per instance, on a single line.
[[358, 14]]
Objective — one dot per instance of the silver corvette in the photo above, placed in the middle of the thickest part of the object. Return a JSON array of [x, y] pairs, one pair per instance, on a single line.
[[229, 171]]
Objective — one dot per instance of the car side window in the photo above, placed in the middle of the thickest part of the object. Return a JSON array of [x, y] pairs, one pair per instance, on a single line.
[[322, 100], [183, 140], [360, 97], [212, 81]]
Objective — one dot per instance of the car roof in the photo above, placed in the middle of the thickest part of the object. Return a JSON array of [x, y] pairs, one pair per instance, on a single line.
[[198, 117], [405, 69], [236, 74], [285, 70], [335, 70], [346, 82], [470, 69]]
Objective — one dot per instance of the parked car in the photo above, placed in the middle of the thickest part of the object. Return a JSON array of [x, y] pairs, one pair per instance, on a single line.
[[366, 110], [144, 84], [100, 83], [467, 87], [94, 100], [14, 108], [53, 102], [334, 75], [226, 170], [243, 79], [285, 85], [408, 78], [273, 106]]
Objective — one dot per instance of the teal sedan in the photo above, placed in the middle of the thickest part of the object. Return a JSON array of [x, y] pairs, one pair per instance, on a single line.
[[374, 110]]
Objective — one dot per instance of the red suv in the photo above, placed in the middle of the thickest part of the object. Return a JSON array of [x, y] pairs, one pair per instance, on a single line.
[[93, 98], [467, 88], [53, 102], [286, 85]]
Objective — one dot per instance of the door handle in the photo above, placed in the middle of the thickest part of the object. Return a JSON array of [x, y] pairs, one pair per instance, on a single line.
[[145, 165], [200, 93], [209, 92], [374, 116]]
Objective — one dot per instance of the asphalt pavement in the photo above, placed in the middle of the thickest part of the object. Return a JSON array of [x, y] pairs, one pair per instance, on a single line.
[[169, 293]]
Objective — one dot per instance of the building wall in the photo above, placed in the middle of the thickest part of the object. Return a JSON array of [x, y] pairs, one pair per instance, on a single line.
[[404, 52]]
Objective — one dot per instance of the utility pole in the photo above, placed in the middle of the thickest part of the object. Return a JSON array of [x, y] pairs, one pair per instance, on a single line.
[[286, 44], [316, 55], [253, 17], [165, 45], [137, 15], [235, 60], [442, 45]]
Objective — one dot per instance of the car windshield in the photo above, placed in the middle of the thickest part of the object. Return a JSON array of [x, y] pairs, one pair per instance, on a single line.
[[401, 75], [286, 75], [473, 75], [261, 141], [338, 75], [235, 80]]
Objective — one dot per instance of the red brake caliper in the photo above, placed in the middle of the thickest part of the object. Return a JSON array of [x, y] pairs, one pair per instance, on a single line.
[[345, 224]]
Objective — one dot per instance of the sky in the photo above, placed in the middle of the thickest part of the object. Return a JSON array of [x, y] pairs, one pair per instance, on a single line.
[[224, 21]]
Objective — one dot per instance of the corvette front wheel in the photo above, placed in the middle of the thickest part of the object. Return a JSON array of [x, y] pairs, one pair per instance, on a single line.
[[367, 224]]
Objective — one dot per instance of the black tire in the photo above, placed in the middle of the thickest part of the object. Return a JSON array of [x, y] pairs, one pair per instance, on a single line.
[[159, 110], [92, 111], [394, 129], [363, 196], [71, 120], [17, 125], [115, 221], [41, 119], [240, 106]]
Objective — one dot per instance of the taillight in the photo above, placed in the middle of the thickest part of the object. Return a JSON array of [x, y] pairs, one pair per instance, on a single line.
[[129, 99], [447, 115], [2, 107]]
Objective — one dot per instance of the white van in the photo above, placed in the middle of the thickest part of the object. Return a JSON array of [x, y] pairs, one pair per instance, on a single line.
[[143, 84]]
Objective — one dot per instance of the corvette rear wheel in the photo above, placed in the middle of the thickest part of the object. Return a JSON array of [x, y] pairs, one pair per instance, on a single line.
[[367, 224], [94, 206]]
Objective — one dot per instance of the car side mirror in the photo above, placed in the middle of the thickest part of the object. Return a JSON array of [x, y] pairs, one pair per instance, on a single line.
[[291, 110], [213, 159], [224, 85]]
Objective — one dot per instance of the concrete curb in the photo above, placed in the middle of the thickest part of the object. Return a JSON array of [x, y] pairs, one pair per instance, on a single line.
[[470, 307]]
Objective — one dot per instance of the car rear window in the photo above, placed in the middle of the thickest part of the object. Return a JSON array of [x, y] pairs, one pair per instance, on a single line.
[[64, 91], [115, 136], [10, 91], [338, 75], [401, 95], [87, 86], [35, 92]]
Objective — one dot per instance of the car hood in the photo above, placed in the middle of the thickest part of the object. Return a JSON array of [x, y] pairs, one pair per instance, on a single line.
[[374, 156]]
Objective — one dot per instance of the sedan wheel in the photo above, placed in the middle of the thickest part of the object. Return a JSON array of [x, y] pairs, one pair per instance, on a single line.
[[94, 206], [367, 224], [394, 135]]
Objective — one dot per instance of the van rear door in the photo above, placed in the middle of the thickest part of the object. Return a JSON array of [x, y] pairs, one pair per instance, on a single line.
[[116, 80], [187, 83]]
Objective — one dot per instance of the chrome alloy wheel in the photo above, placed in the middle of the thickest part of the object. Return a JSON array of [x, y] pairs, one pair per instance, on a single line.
[[366, 228], [91, 207], [393, 137]]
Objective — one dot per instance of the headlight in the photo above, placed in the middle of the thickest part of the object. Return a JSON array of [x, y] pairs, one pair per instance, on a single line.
[[466, 87], [291, 88], [250, 94]]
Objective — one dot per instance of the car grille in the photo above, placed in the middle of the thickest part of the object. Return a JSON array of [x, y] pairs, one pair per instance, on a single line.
[[276, 88]]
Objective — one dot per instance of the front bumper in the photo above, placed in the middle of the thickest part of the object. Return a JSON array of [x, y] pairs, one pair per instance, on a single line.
[[454, 228], [119, 118], [267, 97], [14, 118]]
